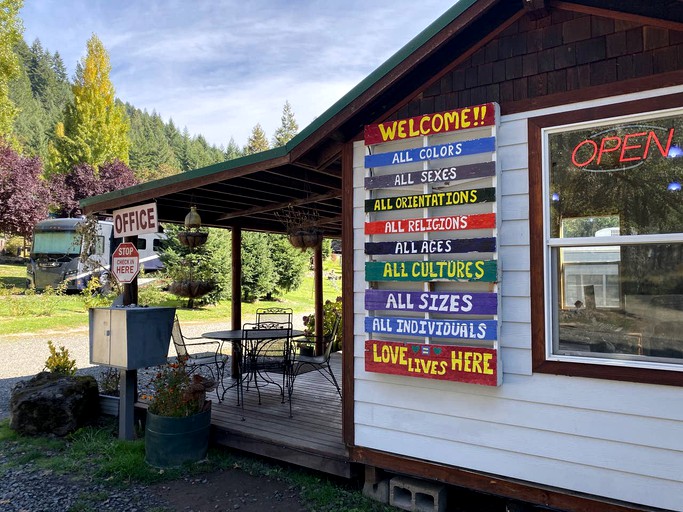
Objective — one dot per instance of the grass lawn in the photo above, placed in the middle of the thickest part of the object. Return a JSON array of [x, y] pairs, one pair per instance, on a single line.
[[22, 311]]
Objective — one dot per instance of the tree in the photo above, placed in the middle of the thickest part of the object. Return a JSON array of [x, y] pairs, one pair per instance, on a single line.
[[290, 263], [209, 262], [256, 142], [258, 269], [23, 194], [233, 151], [95, 128], [288, 129], [83, 181], [10, 34]]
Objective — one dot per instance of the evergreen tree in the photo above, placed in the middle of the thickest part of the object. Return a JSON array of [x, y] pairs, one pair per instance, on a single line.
[[209, 262], [290, 263], [256, 142], [95, 128], [288, 128], [258, 269], [233, 150], [30, 124], [10, 34]]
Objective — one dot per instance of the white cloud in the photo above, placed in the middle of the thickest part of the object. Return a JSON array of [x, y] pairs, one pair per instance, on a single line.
[[220, 67]]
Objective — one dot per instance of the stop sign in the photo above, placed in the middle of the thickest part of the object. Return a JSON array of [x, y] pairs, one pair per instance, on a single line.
[[125, 262]]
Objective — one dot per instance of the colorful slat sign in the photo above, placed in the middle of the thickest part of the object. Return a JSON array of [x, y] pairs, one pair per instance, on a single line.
[[449, 223], [473, 365], [449, 270], [459, 303], [431, 124], [432, 246], [432, 327], [450, 150], [434, 200], [461, 172]]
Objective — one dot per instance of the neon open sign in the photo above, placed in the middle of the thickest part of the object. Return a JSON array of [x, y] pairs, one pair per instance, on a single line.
[[621, 148]]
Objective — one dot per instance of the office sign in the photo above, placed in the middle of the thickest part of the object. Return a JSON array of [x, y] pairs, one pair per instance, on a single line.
[[433, 328], [136, 220], [450, 150], [450, 246], [445, 174], [422, 225], [449, 270], [459, 303], [473, 365], [431, 124]]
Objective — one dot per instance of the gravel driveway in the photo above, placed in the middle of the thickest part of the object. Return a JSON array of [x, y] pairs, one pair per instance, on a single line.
[[24, 355]]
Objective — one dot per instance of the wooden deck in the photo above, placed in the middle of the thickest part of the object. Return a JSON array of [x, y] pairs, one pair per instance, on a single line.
[[312, 438]]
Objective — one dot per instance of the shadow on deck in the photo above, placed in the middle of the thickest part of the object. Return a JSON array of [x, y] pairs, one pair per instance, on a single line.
[[312, 438]]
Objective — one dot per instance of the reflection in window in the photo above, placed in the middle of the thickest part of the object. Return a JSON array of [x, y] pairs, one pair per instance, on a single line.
[[617, 297]]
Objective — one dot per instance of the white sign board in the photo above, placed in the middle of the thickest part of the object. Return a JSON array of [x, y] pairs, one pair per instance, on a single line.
[[125, 263], [136, 220]]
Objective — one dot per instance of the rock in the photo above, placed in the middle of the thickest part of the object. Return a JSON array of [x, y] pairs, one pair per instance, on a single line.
[[53, 404]]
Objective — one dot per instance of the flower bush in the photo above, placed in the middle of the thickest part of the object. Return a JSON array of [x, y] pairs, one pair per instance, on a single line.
[[330, 311], [177, 393]]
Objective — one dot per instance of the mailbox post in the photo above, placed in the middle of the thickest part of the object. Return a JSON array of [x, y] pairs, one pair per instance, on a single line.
[[129, 338]]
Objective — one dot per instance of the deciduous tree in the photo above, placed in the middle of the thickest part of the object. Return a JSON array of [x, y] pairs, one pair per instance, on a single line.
[[24, 195], [10, 33], [95, 128]]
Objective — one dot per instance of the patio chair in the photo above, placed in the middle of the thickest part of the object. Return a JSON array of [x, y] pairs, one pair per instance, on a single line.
[[266, 348], [200, 354], [274, 315], [319, 363]]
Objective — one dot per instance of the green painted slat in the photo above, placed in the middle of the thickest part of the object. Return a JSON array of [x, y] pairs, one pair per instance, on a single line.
[[451, 270]]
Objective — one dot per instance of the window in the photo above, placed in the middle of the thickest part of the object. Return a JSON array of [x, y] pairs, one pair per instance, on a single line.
[[612, 244], [142, 244]]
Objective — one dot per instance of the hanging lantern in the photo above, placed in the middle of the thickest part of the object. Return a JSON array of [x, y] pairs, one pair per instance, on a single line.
[[192, 219]]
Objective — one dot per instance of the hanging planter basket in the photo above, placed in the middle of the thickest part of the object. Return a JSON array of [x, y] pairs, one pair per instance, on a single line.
[[192, 239], [190, 289], [305, 238]]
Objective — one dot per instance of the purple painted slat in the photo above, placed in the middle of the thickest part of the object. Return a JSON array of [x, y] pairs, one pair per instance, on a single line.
[[460, 303], [461, 172]]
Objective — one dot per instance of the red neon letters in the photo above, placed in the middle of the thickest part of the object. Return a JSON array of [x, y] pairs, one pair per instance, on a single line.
[[630, 147]]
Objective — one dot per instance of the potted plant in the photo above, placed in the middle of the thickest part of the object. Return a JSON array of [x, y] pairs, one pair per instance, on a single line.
[[178, 417], [109, 391]]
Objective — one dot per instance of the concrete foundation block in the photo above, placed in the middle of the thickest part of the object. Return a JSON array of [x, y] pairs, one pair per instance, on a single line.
[[378, 491], [417, 495]]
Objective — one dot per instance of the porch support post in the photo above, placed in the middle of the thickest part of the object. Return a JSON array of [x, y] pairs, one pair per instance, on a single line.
[[236, 313], [319, 312]]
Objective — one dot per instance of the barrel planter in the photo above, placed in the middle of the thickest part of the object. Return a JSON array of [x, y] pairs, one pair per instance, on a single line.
[[171, 442]]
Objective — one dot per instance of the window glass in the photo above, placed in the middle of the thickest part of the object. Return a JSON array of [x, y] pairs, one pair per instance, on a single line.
[[617, 298], [626, 176], [142, 244]]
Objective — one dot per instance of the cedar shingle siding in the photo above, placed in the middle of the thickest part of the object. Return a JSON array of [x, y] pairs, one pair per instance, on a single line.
[[561, 52]]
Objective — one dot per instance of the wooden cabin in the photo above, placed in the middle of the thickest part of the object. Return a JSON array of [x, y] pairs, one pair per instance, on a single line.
[[507, 188]]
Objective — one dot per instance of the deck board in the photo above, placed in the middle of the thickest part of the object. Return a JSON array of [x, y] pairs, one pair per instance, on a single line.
[[311, 438]]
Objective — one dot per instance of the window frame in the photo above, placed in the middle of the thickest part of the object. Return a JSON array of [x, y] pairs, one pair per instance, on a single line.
[[543, 294]]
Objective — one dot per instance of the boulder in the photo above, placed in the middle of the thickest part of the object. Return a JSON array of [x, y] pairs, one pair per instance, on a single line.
[[50, 403]]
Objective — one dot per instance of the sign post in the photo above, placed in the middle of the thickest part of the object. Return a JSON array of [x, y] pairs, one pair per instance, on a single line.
[[125, 262]]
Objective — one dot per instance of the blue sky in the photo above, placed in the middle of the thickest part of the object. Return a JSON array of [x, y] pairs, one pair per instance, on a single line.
[[218, 67]]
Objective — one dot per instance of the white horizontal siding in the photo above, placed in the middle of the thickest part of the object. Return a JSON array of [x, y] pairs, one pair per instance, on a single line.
[[615, 439]]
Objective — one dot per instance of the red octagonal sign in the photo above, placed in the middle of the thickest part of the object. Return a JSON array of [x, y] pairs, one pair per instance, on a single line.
[[125, 262]]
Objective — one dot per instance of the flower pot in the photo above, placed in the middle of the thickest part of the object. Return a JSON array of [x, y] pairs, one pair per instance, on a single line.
[[109, 405], [172, 442], [192, 239], [190, 289]]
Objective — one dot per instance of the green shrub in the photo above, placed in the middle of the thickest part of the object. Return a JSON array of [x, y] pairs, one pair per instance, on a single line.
[[60, 361]]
